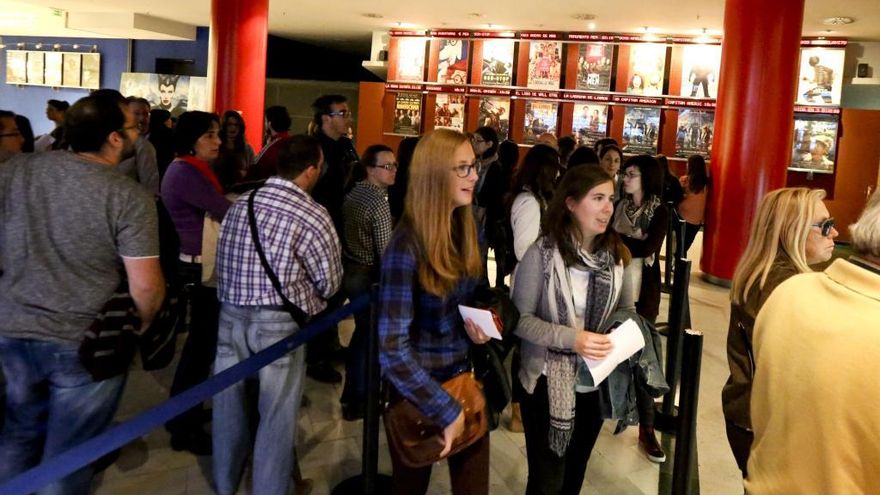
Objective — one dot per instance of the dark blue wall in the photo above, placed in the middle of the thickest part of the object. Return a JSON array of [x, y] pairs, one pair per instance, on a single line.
[[145, 52]]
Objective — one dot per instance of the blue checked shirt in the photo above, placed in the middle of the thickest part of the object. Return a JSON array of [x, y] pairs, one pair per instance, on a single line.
[[301, 246], [422, 340]]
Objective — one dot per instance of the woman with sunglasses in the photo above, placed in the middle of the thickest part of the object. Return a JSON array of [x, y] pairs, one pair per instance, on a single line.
[[366, 231], [791, 231], [430, 266]]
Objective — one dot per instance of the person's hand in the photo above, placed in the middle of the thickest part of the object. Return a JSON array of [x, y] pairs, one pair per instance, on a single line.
[[592, 345], [451, 432], [477, 335]]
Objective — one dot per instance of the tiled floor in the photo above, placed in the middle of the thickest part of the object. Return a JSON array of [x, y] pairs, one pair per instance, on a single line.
[[330, 447]]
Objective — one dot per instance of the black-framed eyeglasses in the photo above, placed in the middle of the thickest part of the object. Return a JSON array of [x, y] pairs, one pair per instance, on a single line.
[[391, 167], [465, 170], [340, 113], [825, 226]]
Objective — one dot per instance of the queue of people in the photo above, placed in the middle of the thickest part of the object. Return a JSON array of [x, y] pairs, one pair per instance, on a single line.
[[306, 223]]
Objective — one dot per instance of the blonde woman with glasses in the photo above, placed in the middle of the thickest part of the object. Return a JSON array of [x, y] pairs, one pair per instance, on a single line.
[[791, 231]]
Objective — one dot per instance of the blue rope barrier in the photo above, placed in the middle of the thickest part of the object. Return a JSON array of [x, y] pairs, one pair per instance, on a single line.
[[67, 462]]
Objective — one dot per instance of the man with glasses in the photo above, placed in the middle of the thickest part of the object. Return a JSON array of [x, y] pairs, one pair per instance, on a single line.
[[11, 139]]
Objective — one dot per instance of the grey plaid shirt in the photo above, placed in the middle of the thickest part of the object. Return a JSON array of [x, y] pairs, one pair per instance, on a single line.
[[367, 223]]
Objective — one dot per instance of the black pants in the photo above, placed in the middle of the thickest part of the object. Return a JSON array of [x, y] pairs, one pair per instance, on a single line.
[[321, 349], [548, 473], [200, 347], [740, 440], [355, 283]]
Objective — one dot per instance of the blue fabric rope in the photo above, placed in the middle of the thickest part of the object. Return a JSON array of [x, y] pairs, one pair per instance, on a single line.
[[67, 462]]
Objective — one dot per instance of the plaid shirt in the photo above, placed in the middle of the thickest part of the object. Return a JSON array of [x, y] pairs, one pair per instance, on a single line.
[[300, 244], [422, 341], [367, 223]]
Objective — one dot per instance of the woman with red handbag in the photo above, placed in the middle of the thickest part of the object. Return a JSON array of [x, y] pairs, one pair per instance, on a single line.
[[430, 266]]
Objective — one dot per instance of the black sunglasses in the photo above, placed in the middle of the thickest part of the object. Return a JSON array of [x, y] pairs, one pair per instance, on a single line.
[[825, 226]]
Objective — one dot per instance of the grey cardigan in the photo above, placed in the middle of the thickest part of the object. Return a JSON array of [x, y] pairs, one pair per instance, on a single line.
[[535, 330]]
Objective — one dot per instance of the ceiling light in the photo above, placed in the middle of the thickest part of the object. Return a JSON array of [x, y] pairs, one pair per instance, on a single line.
[[76, 47], [584, 17], [591, 26], [38, 46], [838, 21]]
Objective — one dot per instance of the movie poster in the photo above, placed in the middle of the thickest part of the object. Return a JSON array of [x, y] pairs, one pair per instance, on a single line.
[[91, 70], [820, 77], [540, 118], [16, 67], [452, 62], [647, 63], [449, 112], [72, 76], [407, 113], [166, 91], [641, 128], [497, 63], [197, 97], [495, 113], [815, 143], [545, 64], [594, 67], [35, 67], [411, 59], [53, 69], [699, 71], [693, 136], [590, 123]]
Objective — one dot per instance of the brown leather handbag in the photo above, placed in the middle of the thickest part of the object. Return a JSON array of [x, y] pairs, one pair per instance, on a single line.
[[418, 441]]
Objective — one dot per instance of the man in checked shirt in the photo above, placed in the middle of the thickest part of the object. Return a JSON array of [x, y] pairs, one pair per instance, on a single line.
[[303, 249]]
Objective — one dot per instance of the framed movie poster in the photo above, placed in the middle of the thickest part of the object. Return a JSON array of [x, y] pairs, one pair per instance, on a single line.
[[693, 136], [699, 71], [54, 66], [407, 114], [820, 76], [452, 62], [411, 59], [495, 113], [647, 64], [91, 70], [541, 117], [497, 68], [590, 123], [35, 65], [197, 99], [594, 67], [814, 148], [545, 64], [72, 75], [171, 92], [16, 67], [641, 127], [449, 112]]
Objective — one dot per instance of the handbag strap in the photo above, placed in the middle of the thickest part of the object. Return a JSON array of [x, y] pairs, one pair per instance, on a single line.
[[299, 316]]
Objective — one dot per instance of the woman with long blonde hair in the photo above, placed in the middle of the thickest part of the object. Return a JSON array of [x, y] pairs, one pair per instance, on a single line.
[[792, 230], [430, 266]]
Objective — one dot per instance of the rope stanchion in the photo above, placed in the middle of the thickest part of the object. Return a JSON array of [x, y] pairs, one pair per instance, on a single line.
[[67, 462], [678, 319], [684, 471]]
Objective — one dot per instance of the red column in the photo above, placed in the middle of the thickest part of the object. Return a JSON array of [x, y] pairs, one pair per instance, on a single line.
[[239, 37], [753, 122]]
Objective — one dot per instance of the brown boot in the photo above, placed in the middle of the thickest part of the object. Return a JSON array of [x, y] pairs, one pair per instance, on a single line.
[[649, 445], [516, 425]]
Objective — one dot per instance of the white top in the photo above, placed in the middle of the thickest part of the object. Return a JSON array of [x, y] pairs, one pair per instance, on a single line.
[[525, 221]]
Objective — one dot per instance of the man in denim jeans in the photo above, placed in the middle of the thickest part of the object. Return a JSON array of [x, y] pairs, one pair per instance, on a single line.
[[69, 224], [302, 248]]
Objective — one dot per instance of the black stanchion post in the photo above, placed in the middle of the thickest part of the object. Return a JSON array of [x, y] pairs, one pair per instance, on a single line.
[[370, 482], [670, 256], [684, 471], [678, 306]]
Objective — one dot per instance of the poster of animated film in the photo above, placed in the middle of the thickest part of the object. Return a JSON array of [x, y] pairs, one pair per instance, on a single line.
[[641, 128], [699, 71], [449, 112], [407, 113], [497, 67], [815, 144], [541, 117], [174, 93], [693, 136], [495, 113], [820, 78], [411, 59], [590, 123], [594, 67], [647, 64], [452, 63], [545, 64]]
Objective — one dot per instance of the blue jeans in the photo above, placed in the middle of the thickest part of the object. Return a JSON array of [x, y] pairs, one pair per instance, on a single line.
[[52, 405], [243, 332]]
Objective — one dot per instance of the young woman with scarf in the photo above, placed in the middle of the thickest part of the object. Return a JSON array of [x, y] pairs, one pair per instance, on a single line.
[[641, 219], [567, 284]]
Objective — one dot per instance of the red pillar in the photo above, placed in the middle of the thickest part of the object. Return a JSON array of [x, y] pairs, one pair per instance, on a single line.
[[239, 37], [753, 122]]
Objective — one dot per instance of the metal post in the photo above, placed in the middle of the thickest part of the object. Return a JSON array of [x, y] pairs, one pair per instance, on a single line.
[[684, 471], [670, 253], [678, 309]]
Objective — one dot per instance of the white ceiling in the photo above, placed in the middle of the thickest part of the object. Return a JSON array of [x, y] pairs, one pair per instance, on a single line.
[[342, 23]]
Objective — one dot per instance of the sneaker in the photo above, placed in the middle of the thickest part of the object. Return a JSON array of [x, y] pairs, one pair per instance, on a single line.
[[649, 445], [323, 373]]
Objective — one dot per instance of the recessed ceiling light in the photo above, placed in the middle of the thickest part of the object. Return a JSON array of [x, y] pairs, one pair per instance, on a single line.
[[838, 21], [584, 17], [591, 26], [371, 15]]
